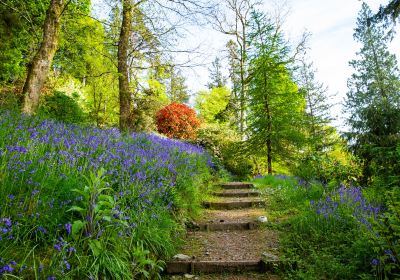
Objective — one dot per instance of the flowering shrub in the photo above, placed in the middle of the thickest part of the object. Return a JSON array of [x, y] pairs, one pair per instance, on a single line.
[[84, 202], [177, 121]]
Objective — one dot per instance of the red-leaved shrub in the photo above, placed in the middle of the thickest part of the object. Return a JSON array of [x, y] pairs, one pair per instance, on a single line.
[[177, 121]]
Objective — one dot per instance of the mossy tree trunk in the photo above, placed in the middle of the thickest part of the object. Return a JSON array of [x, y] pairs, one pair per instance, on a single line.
[[125, 98], [40, 65]]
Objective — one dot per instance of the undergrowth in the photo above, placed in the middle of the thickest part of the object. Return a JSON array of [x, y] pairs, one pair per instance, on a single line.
[[332, 232]]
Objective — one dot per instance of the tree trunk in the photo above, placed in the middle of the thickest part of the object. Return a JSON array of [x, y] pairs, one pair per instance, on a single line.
[[40, 65], [269, 129], [243, 76], [125, 99], [269, 142]]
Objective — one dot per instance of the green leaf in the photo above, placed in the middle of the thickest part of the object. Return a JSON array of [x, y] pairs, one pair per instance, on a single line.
[[107, 218], [77, 227], [105, 203], [77, 209], [96, 247], [108, 198]]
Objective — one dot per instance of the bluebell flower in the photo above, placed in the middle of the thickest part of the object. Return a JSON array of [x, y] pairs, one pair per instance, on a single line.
[[68, 227], [374, 262]]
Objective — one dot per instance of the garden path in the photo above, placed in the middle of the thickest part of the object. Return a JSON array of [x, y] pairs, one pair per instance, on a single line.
[[228, 242]]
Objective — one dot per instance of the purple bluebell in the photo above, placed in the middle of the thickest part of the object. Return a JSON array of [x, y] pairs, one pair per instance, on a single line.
[[68, 228]]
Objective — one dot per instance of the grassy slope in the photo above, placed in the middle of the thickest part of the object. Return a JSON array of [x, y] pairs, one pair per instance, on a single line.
[[330, 234], [84, 202]]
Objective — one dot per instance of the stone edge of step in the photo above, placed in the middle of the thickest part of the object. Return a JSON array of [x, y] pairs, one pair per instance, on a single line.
[[194, 266]]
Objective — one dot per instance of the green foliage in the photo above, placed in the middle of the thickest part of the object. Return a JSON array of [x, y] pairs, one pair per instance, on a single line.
[[149, 102], [217, 78], [327, 249], [62, 107], [212, 104], [79, 39], [385, 238], [177, 90], [9, 99], [224, 144], [95, 206], [84, 55], [327, 169], [326, 233], [20, 29], [275, 106], [96, 210], [320, 135], [284, 196], [373, 102], [144, 266]]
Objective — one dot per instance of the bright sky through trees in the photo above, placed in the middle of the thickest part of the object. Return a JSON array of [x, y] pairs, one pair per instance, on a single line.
[[330, 23]]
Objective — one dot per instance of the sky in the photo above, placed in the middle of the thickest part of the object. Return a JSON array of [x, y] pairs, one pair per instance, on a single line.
[[331, 46]]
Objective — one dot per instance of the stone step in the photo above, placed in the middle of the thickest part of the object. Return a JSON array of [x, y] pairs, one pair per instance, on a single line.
[[237, 194], [223, 226], [236, 185], [194, 267], [263, 265], [229, 205], [231, 216]]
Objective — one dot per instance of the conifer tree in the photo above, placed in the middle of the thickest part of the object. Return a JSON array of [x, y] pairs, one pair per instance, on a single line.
[[317, 112], [275, 106], [373, 99], [218, 80]]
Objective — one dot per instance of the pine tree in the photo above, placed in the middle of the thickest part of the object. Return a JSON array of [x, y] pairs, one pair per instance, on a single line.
[[317, 112], [275, 106], [373, 99], [218, 80], [177, 89]]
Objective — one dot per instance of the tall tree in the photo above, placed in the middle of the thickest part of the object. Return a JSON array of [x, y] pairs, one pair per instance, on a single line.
[[239, 11], [158, 13], [218, 80], [317, 112], [212, 104], [177, 90], [388, 13], [373, 99], [125, 96], [40, 65], [234, 70], [275, 105]]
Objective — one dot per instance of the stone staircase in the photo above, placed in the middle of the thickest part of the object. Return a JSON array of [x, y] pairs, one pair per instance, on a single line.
[[229, 239]]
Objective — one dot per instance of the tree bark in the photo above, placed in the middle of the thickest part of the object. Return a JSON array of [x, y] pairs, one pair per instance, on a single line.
[[269, 142], [269, 128], [40, 65], [125, 99]]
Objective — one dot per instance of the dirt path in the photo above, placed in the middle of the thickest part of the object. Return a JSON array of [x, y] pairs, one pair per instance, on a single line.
[[214, 251]]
